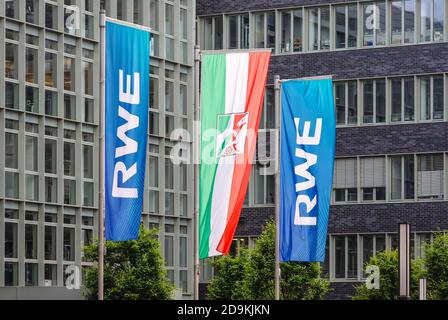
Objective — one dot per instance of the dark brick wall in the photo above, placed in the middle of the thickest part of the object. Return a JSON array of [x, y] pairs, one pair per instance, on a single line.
[[213, 6], [362, 218], [361, 63], [390, 139]]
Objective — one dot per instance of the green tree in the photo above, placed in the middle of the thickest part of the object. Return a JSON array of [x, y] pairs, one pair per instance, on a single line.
[[229, 273], [250, 275], [436, 267], [387, 262], [133, 270]]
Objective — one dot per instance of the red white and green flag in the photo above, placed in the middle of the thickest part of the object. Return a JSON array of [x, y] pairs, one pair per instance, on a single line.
[[232, 93]]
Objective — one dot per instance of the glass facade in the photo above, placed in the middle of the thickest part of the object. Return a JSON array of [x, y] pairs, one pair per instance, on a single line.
[[49, 133]]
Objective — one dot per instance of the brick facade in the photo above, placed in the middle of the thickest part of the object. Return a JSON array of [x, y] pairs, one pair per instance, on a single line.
[[363, 140]]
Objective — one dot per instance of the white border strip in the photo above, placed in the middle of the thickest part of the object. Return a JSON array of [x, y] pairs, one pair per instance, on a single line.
[[129, 24]]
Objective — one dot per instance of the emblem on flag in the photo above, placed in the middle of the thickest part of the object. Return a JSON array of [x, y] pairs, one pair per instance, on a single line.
[[232, 133]]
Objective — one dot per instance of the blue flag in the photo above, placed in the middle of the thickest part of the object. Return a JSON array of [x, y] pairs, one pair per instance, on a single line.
[[308, 137], [126, 123]]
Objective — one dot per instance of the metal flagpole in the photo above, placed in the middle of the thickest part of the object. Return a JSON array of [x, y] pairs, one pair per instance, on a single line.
[[101, 156], [277, 84], [196, 151]]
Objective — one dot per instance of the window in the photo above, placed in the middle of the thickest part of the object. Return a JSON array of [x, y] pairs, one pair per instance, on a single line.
[[352, 257], [346, 26], [70, 106], [260, 34], [88, 190], [50, 156], [169, 251], [12, 8], [88, 162], [51, 103], [402, 177], [51, 275], [339, 256], [69, 244], [50, 242], [346, 96], [32, 99], [31, 148], [11, 95], [345, 180], [88, 110], [51, 16], [31, 274], [32, 187], [70, 192], [11, 150], [69, 159], [169, 96], [183, 198], [403, 21], [169, 174], [154, 14], [169, 204], [153, 201], [374, 96], [270, 30], [183, 253], [88, 77], [238, 31], [264, 185], [430, 176], [50, 69], [51, 189], [374, 22], [319, 29], [30, 241], [183, 24], [11, 239], [11, 60], [291, 31], [431, 20], [69, 74], [183, 177], [31, 65], [373, 179], [431, 97], [169, 19], [402, 95], [11, 185], [11, 274]]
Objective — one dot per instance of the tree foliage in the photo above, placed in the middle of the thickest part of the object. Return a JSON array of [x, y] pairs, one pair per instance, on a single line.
[[133, 270], [250, 275], [436, 268], [388, 264]]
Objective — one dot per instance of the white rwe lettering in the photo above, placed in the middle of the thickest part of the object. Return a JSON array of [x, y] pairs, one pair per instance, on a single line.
[[302, 170], [305, 221], [126, 96], [132, 122], [130, 145], [305, 139], [118, 192]]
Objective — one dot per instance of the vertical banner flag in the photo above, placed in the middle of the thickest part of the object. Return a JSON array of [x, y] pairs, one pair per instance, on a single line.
[[308, 138], [126, 123], [232, 94]]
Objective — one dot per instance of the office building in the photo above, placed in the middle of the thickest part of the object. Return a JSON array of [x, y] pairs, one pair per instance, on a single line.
[[49, 117], [388, 61]]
